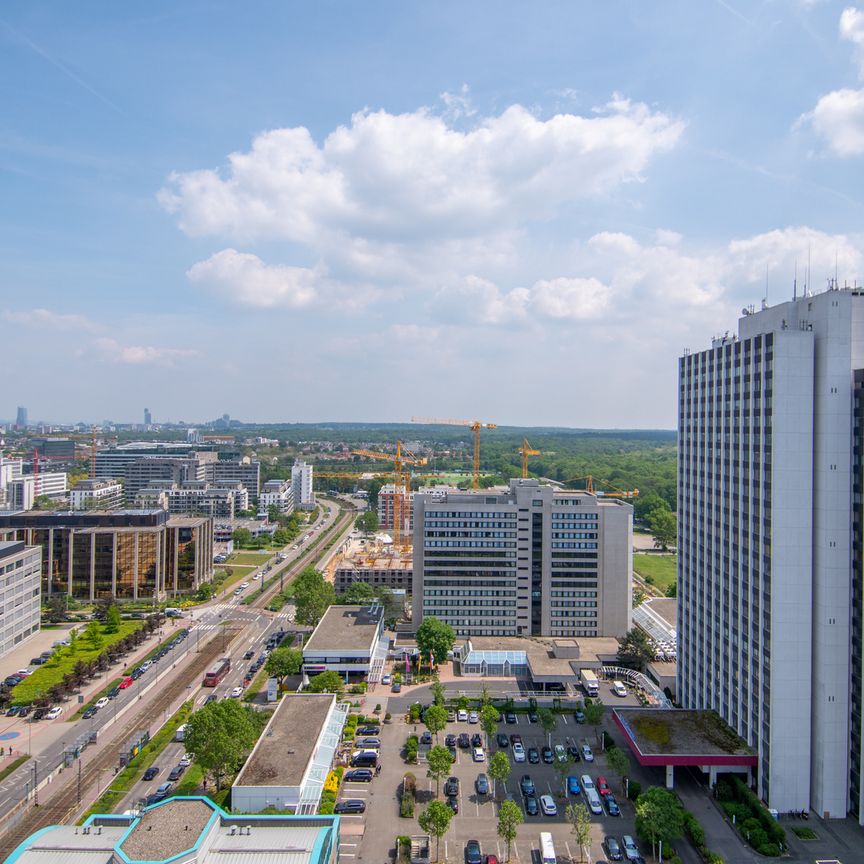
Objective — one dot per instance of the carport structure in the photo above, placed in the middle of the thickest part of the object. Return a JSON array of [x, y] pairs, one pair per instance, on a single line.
[[671, 738]]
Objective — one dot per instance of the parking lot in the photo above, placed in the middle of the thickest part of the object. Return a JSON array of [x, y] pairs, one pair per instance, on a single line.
[[372, 835]]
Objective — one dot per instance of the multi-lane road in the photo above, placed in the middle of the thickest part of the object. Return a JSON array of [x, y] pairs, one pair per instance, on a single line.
[[221, 625]]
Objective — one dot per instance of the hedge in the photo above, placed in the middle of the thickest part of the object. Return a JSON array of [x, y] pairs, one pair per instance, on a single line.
[[407, 795], [755, 824]]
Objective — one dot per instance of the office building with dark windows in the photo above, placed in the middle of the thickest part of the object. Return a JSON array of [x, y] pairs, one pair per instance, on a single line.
[[770, 432], [531, 561], [124, 554]]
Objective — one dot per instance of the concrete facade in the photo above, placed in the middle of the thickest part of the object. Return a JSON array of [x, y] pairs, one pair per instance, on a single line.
[[769, 621], [20, 593], [96, 495], [301, 482], [531, 561]]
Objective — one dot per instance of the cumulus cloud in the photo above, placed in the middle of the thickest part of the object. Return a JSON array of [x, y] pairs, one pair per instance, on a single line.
[[576, 299], [838, 117], [140, 355], [48, 319]]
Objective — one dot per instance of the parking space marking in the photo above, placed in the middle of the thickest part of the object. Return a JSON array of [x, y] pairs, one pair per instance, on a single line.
[[564, 718]]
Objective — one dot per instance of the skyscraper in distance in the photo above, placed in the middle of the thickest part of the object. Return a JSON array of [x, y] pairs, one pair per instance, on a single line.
[[148, 417], [771, 428], [21, 418]]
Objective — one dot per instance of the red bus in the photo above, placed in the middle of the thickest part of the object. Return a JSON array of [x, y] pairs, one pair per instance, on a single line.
[[217, 672]]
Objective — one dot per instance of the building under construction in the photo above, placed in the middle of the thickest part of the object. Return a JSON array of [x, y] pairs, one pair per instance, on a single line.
[[375, 561]]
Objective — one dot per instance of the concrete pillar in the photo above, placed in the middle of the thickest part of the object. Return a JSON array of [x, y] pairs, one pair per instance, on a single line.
[[93, 566], [712, 776], [114, 563], [670, 776], [135, 570]]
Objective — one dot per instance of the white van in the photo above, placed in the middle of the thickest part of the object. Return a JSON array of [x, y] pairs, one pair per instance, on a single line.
[[618, 688], [593, 800], [180, 734]]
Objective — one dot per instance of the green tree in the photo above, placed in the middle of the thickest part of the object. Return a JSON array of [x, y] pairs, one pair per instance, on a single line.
[[594, 709], [281, 537], [664, 527], [220, 736], [326, 682], [313, 595], [509, 819], [672, 590], [580, 826], [435, 719], [439, 761], [635, 650], [645, 505], [358, 594], [489, 721], [242, 537], [499, 767], [562, 769], [373, 489], [659, 816], [617, 760], [284, 662], [112, 619], [93, 634], [435, 638], [549, 723], [274, 513], [367, 521], [435, 821], [438, 694]]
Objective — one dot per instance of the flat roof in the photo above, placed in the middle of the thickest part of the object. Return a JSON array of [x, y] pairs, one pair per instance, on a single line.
[[666, 608], [346, 627], [164, 831], [671, 736], [540, 655], [286, 746]]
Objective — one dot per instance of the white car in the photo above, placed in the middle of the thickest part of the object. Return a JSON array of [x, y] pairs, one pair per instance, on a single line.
[[236, 692], [518, 752], [479, 755], [185, 760], [473, 717], [547, 805], [631, 850], [587, 782], [619, 689], [587, 755], [462, 715], [54, 713], [101, 703], [244, 585], [256, 577], [386, 679], [560, 753]]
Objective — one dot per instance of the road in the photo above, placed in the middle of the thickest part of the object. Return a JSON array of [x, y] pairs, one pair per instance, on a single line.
[[218, 619]]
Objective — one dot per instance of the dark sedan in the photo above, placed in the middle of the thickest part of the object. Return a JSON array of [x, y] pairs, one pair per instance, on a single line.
[[350, 805]]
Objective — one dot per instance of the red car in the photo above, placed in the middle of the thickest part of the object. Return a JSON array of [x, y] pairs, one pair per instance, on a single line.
[[128, 681], [603, 787], [491, 859]]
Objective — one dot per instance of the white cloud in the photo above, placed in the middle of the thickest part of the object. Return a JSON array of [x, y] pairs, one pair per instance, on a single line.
[[48, 319], [139, 355], [573, 299], [838, 117]]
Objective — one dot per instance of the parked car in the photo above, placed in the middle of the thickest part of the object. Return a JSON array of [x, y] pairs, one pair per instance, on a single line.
[[603, 786], [462, 715], [151, 772], [503, 740], [619, 689], [526, 784], [90, 712], [587, 753], [162, 791], [386, 679], [464, 740], [472, 852], [453, 803], [14, 711], [491, 859], [396, 688], [451, 787], [451, 716], [532, 717], [359, 775], [476, 740], [533, 755], [185, 760], [37, 661], [532, 808], [547, 805], [426, 737], [54, 713], [510, 717], [518, 752], [631, 850], [611, 804], [481, 784], [176, 772], [579, 716], [113, 692], [368, 730], [560, 753], [587, 782], [478, 755], [249, 654], [473, 717], [350, 805], [573, 785], [573, 753], [613, 849], [369, 743], [547, 755]]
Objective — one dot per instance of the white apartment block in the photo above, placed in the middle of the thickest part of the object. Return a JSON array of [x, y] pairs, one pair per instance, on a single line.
[[531, 561], [277, 493], [770, 544], [301, 482], [20, 592], [96, 495]]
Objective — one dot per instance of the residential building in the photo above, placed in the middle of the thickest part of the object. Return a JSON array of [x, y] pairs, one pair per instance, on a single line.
[[301, 481], [196, 498], [20, 593], [288, 766], [277, 493], [192, 830], [111, 462], [770, 430], [529, 561], [387, 503], [96, 495], [348, 640], [124, 554], [18, 491]]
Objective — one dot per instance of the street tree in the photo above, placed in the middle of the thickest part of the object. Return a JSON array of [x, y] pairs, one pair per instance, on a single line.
[[635, 650], [326, 682], [593, 711], [242, 537], [435, 821], [580, 826], [659, 816], [549, 723], [562, 769], [220, 736], [489, 721], [438, 693], [112, 619], [358, 594], [313, 595], [509, 819], [664, 527], [439, 761], [435, 639], [283, 662], [93, 634], [617, 760], [435, 719], [499, 768], [367, 522]]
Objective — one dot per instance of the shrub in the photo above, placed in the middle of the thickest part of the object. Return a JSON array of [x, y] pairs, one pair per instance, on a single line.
[[608, 742], [407, 796], [634, 790], [714, 858], [694, 830], [756, 838], [769, 850]]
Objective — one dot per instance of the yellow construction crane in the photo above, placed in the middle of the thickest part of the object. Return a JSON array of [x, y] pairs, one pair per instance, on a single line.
[[614, 493], [526, 451], [402, 487], [475, 426]]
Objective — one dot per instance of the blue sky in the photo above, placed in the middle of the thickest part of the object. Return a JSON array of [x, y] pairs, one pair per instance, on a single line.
[[366, 211]]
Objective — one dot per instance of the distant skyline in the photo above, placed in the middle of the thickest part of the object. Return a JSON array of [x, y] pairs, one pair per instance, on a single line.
[[335, 212]]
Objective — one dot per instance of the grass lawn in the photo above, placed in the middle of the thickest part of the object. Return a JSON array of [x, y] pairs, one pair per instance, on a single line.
[[63, 661], [247, 557], [657, 570]]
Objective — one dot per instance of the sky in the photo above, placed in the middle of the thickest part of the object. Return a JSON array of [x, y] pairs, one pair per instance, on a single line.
[[517, 213]]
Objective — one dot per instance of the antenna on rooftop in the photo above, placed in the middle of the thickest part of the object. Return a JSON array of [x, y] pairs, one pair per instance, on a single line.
[[765, 298], [795, 282]]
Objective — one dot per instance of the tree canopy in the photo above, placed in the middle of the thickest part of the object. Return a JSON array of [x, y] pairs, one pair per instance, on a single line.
[[439, 761], [509, 819], [283, 662], [659, 816], [313, 595], [436, 638], [635, 650], [435, 821], [326, 682]]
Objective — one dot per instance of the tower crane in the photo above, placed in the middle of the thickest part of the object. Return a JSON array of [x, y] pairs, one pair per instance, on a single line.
[[614, 493], [526, 451], [475, 426], [402, 487]]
